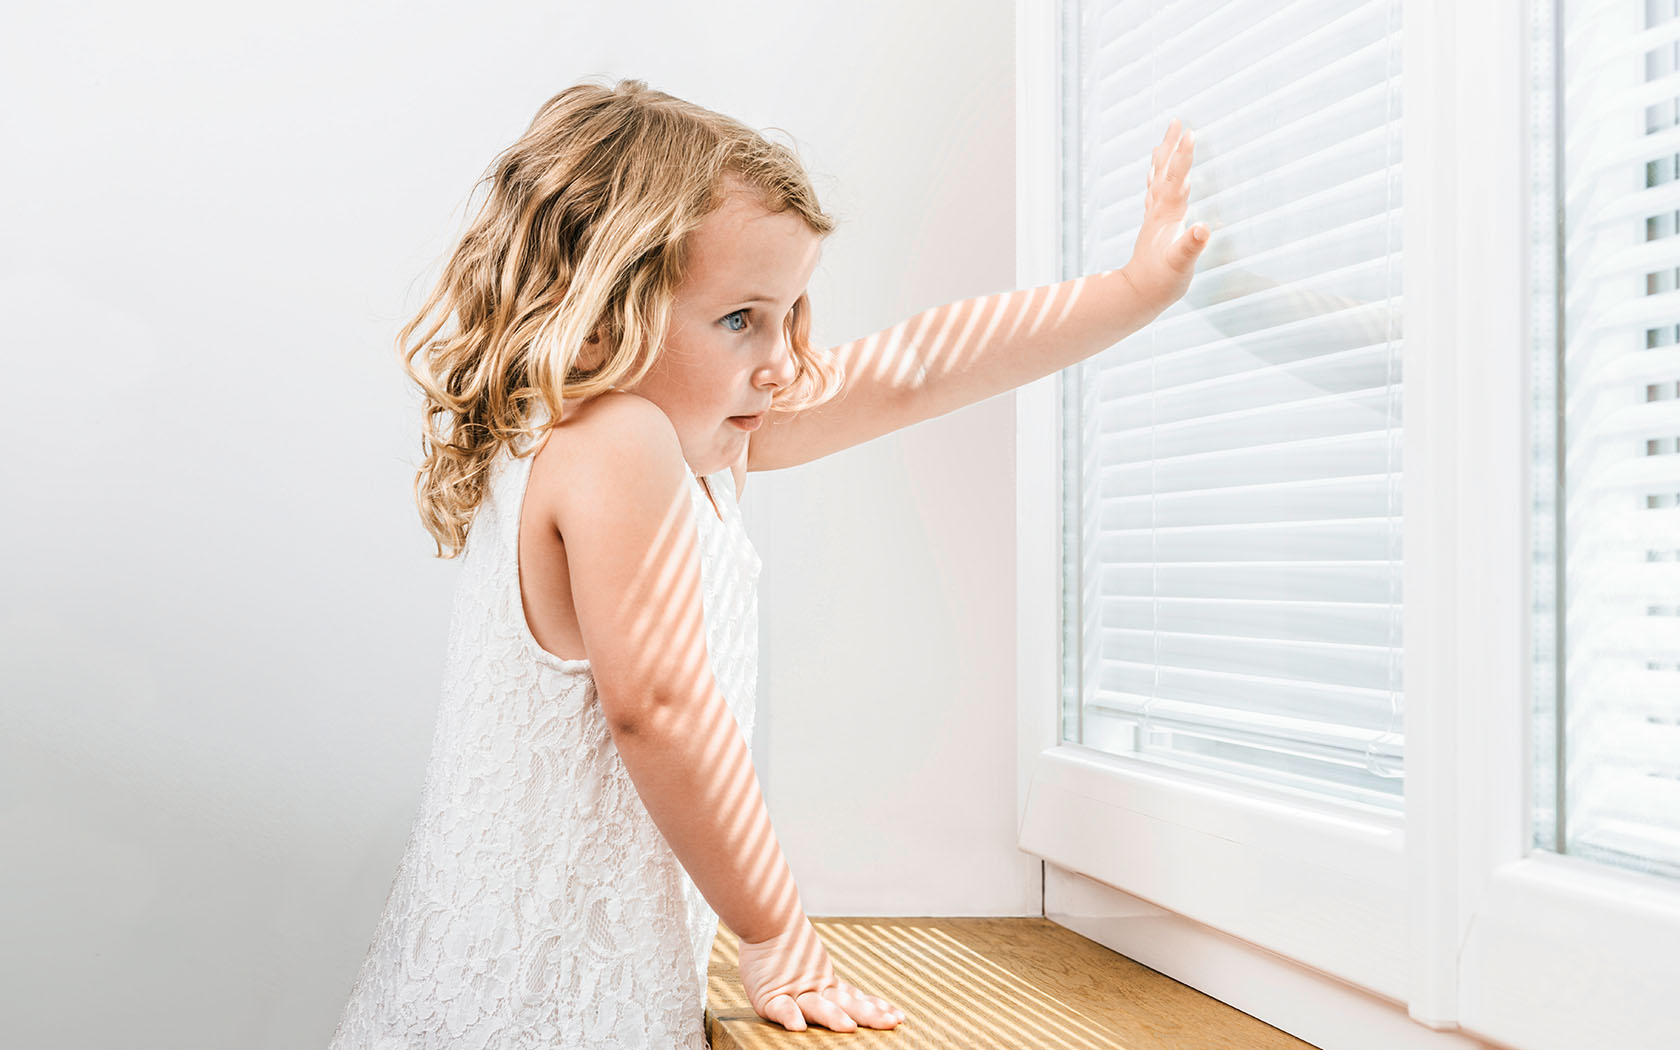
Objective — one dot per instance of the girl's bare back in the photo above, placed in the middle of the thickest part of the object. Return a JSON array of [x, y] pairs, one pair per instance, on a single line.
[[545, 584]]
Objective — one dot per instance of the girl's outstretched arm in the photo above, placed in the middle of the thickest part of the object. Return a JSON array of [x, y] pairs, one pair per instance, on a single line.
[[955, 355]]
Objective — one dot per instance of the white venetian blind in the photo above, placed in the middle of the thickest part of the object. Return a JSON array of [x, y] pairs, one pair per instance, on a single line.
[[1619, 754], [1233, 470]]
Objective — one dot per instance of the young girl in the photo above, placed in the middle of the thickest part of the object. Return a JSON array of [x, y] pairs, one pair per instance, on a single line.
[[621, 335]]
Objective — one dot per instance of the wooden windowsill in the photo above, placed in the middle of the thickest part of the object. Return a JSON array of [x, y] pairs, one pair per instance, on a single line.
[[984, 983]]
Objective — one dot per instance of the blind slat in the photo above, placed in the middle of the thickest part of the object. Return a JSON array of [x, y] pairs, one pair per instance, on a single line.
[[1306, 578]]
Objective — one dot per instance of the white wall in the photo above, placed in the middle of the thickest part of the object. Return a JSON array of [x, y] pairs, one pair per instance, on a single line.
[[223, 628]]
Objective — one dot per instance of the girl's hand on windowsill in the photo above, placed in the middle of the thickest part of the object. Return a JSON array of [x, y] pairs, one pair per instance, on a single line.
[[789, 980]]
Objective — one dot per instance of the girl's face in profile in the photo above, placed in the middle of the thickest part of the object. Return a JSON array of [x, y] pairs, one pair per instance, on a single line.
[[726, 352]]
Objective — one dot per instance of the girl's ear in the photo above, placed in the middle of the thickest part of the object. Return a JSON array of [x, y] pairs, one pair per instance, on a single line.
[[593, 352]]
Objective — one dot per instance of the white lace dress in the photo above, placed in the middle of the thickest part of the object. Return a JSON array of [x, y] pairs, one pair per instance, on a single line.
[[536, 903]]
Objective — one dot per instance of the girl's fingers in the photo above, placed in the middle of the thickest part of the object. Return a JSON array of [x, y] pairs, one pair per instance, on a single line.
[[1164, 152], [784, 1010], [1178, 165], [1190, 245], [871, 1010], [826, 1012], [1164, 160], [1184, 155], [1159, 154]]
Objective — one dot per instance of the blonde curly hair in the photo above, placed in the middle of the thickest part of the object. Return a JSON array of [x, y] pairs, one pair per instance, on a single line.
[[581, 235]]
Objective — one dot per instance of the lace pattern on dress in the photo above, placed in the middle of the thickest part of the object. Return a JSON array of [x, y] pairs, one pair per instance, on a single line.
[[536, 904]]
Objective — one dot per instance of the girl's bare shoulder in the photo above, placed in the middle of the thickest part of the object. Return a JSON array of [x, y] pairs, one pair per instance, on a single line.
[[587, 430]]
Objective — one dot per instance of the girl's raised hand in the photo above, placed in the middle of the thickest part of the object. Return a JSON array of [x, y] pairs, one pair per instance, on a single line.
[[789, 980], [1165, 257]]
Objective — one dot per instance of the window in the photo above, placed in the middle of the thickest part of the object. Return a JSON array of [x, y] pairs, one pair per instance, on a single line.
[[1253, 851], [1231, 484], [1233, 470]]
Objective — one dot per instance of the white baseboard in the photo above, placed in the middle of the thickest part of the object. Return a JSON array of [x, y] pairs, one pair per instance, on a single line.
[[1321, 1010]]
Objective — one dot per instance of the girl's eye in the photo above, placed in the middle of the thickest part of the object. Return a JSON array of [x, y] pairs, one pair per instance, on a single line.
[[742, 314]]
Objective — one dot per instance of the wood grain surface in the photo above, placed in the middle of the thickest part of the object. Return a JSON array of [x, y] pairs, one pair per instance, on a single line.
[[980, 983]]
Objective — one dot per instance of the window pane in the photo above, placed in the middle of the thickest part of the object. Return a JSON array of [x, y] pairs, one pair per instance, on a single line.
[[1232, 473], [1611, 618]]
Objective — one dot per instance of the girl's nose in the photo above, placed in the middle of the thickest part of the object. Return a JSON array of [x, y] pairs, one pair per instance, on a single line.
[[781, 368]]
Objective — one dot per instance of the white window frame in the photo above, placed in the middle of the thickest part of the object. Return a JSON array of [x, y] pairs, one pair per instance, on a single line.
[[1347, 929]]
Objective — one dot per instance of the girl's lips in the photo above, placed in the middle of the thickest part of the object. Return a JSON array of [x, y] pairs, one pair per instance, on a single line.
[[747, 422]]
